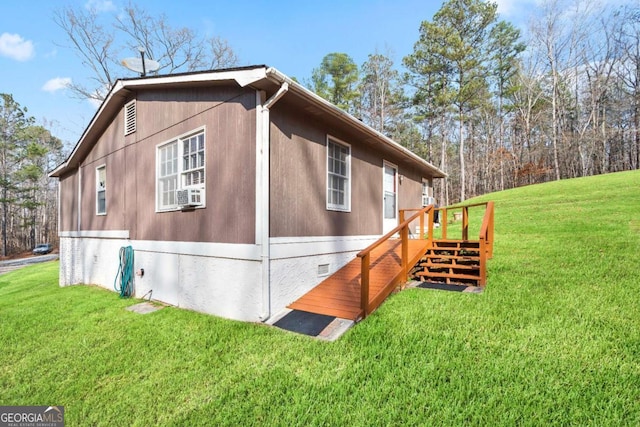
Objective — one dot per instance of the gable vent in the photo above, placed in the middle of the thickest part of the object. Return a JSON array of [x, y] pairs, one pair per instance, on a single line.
[[130, 117]]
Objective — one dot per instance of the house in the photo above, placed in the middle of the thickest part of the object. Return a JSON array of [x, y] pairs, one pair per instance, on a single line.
[[238, 189]]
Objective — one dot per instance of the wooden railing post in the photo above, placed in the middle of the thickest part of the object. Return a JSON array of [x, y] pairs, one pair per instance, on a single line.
[[364, 284], [465, 223], [483, 261], [443, 222], [365, 255], [422, 226], [405, 250], [490, 206]]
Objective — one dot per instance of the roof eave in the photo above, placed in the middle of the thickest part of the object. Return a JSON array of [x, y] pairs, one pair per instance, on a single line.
[[279, 77], [245, 76]]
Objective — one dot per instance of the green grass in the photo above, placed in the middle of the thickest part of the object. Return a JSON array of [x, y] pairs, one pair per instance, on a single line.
[[553, 340]]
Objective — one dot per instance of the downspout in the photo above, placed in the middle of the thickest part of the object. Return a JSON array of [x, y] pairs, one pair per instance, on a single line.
[[264, 211], [79, 210]]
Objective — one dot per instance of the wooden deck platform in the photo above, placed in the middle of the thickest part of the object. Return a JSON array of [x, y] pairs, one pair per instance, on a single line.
[[339, 294]]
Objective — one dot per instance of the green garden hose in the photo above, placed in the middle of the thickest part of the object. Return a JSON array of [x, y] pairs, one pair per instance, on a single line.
[[125, 273]]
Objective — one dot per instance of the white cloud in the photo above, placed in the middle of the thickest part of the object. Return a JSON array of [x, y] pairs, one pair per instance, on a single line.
[[100, 5], [15, 47], [517, 9], [56, 84]]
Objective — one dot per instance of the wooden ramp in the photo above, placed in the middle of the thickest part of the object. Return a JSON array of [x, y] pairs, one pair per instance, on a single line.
[[339, 294]]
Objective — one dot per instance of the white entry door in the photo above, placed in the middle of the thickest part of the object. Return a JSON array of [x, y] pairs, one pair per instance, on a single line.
[[389, 197]]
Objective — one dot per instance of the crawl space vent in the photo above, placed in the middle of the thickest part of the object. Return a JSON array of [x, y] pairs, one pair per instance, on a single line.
[[323, 269]]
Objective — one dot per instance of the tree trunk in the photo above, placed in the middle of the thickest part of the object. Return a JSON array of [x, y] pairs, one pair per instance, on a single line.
[[461, 136], [554, 124], [5, 208]]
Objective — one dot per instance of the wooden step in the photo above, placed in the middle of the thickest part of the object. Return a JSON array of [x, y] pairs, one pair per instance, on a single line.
[[457, 253], [448, 275], [463, 257], [456, 244], [451, 259], [451, 262], [440, 266]]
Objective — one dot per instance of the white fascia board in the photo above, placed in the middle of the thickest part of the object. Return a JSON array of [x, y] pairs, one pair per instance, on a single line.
[[117, 87], [242, 77]]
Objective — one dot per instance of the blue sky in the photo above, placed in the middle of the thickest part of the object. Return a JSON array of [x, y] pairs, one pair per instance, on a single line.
[[292, 36]]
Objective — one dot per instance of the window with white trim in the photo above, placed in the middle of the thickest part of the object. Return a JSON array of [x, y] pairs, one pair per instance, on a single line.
[[427, 199], [180, 166], [101, 190], [338, 175]]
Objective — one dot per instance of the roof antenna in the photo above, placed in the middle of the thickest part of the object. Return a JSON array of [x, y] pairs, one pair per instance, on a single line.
[[141, 65], [144, 69]]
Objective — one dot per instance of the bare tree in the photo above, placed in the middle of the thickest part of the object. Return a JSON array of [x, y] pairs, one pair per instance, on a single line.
[[100, 44], [94, 45], [221, 53], [629, 71]]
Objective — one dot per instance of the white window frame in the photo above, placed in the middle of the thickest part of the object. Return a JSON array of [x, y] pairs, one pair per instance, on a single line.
[[180, 171], [426, 193], [101, 187], [346, 206]]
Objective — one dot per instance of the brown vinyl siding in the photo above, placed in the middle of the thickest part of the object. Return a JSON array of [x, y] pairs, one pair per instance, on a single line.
[[228, 117], [410, 190], [299, 179], [69, 202], [115, 202]]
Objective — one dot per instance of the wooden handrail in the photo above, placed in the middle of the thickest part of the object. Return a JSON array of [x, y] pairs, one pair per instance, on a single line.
[[486, 231], [486, 241], [394, 231], [365, 254]]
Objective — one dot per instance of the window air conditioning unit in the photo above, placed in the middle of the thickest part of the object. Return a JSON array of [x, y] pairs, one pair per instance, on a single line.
[[190, 197], [428, 200]]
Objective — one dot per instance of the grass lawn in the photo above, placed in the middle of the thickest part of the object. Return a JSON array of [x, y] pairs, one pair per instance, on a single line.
[[553, 340]]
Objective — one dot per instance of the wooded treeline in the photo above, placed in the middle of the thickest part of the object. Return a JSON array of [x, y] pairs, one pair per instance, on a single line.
[[496, 110], [28, 205]]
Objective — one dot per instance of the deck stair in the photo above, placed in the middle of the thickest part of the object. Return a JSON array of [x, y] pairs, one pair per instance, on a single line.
[[451, 262], [358, 288]]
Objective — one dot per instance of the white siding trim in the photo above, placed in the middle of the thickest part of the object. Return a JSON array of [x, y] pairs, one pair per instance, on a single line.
[[281, 247], [260, 95], [99, 234], [296, 247], [79, 212], [216, 250]]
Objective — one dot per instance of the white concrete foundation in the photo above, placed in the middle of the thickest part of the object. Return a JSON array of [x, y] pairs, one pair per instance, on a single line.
[[220, 279], [211, 284]]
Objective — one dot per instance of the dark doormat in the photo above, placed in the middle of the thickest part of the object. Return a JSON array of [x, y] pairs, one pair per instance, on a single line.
[[303, 322], [442, 286]]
